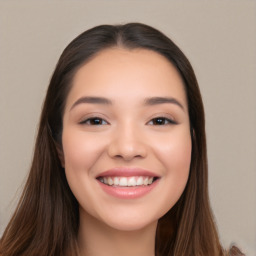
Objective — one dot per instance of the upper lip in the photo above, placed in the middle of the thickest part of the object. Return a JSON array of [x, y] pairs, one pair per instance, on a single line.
[[126, 172]]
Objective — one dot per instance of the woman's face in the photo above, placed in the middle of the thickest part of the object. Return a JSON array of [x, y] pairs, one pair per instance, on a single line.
[[126, 138]]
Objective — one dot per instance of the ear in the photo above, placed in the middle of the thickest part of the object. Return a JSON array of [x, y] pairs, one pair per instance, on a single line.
[[192, 132], [60, 154]]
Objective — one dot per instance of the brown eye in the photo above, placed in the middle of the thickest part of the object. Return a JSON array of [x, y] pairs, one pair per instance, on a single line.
[[161, 121], [94, 121]]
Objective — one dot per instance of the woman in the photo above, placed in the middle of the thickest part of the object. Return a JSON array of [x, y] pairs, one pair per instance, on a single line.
[[120, 164]]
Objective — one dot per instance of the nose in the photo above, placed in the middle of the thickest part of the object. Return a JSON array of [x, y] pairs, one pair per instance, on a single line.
[[127, 143]]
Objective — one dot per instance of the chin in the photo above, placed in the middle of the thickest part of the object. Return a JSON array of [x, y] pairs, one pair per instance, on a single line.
[[128, 225], [130, 220]]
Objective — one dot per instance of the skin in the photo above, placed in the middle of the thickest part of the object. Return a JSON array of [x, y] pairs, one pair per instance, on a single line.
[[127, 135]]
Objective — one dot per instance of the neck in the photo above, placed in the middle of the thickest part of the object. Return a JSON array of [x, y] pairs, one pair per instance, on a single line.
[[97, 239]]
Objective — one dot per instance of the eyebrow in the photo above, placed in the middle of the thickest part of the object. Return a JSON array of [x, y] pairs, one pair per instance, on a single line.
[[149, 101], [92, 100], [162, 100]]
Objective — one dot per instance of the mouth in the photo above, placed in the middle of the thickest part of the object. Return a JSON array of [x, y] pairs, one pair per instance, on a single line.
[[133, 181], [127, 183]]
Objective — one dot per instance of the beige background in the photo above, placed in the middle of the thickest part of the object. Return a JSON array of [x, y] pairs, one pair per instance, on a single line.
[[219, 38]]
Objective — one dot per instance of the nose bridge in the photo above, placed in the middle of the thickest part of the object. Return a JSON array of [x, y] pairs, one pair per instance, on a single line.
[[127, 142]]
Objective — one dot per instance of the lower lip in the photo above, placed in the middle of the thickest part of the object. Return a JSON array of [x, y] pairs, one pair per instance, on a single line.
[[128, 192]]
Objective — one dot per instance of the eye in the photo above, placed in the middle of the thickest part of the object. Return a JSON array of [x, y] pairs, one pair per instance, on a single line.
[[94, 121], [161, 121]]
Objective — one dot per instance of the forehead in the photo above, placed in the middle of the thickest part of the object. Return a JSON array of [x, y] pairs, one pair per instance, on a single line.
[[118, 72]]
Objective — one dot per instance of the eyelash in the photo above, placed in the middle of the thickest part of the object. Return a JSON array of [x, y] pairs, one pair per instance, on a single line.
[[100, 121], [167, 121], [96, 120]]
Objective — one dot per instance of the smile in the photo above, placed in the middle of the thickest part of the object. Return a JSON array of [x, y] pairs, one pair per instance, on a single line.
[[127, 181]]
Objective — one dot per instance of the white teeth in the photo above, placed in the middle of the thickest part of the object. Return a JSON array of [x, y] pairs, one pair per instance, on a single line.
[[116, 181], [127, 181], [110, 181], [146, 181], [132, 182], [123, 182], [139, 181]]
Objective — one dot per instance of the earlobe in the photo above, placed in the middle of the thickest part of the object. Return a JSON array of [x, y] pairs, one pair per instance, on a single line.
[[60, 154], [192, 132]]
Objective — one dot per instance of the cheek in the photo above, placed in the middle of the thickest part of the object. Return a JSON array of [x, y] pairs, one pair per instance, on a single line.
[[175, 155], [174, 150], [80, 151]]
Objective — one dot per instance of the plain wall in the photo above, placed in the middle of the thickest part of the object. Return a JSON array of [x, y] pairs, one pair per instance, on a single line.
[[219, 38]]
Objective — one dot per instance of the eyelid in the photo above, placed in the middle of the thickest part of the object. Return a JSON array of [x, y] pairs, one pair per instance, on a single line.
[[93, 116], [170, 120], [84, 122]]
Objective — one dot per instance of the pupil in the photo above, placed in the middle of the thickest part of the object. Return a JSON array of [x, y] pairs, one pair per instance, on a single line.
[[159, 121], [96, 121]]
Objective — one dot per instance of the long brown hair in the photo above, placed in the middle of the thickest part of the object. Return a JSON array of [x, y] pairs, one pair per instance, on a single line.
[[46, 220]]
